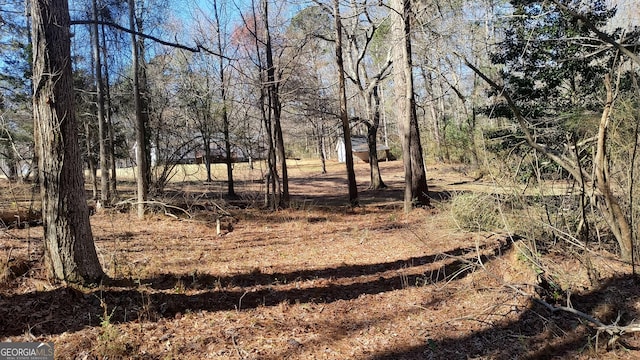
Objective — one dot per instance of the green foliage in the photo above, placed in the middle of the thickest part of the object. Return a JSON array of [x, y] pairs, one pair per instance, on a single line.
[[111, 342], [312, 21], [544, 58], [459, 144], [549, 66], [380, 42]]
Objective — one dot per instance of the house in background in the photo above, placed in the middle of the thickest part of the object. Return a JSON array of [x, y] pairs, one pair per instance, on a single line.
[[218, 154], [360, 149]]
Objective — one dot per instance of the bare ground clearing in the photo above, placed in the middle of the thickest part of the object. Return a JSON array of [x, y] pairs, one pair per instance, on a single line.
[[321, 281]]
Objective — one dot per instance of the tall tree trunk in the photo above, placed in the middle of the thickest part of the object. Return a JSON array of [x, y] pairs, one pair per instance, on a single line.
[[102, 141], [206, 142], [276, 108], [231, 193], [113, 179], [346, 129], [437, 138], [91, 161], [384, 120], [372, 140], [272, 178], [34, 161], [70, 253], [272, 186], [145, 113], [321, 145], [142, 173], [444, 139], [416, 190]]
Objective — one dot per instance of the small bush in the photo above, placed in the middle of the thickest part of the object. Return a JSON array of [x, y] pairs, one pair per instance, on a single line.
[[111, 342], [475, 212]]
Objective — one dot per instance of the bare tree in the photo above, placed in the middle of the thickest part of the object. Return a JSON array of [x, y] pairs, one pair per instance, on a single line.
[[113, 179], [99, 81], [416, 190], [346, 129], [275, 106], [223, 97], [366, 80], [142, 169], [70, 253]]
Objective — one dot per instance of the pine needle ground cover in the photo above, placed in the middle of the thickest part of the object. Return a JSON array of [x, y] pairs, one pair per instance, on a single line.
[[318, 281]]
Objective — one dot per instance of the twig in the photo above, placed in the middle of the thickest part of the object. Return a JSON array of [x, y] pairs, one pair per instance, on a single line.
[[221, 209], [240, 300], [236, 346]]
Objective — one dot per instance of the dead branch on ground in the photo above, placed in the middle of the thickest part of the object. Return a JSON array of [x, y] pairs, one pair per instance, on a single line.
[[614, 330], [132, 202]]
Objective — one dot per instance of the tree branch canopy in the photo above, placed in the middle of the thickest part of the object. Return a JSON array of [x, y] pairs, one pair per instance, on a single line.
[[601, 35], [195, 49]]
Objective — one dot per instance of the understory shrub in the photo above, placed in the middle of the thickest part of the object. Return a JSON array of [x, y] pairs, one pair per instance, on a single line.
[[475, 211]]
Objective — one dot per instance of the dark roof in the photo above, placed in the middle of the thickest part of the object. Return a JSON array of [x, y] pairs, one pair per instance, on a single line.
[[359, 144]]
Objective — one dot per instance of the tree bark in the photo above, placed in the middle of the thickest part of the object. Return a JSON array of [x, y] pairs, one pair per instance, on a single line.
[[416, 190], [231, 193], [206, 143], [321, 145], [142, 173], [70, 253], [276, 109], [428, 84], [91, 161], [272, 186], [346, 129], [372, 140], [113, 179], [102, 141]]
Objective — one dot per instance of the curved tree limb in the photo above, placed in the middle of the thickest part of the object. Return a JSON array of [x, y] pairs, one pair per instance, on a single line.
[[197, 48], [575, 171], [611, 210], [601, 35]]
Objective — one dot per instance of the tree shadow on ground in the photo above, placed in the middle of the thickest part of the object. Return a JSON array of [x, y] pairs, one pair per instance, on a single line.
[[540, 334], [66, 309], [330, 195], [169, 281]]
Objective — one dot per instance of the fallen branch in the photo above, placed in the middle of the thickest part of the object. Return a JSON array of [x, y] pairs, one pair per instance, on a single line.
[[221, 209], [166, 206], [614, 330]]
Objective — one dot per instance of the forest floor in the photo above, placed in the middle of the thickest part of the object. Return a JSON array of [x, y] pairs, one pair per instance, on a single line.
[[318, 281]]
